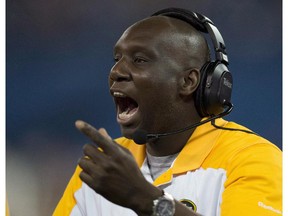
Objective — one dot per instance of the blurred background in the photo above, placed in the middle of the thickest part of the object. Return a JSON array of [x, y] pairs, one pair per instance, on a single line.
[[59, 54]]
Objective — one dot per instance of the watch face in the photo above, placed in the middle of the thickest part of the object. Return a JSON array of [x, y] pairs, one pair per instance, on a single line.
[[165, 208]]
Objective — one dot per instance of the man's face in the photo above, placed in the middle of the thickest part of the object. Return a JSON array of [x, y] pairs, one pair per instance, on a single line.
[[144, 78]]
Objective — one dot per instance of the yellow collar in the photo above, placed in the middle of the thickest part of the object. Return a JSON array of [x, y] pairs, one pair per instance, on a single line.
[[194, 152], [197, 148], [192, 155]]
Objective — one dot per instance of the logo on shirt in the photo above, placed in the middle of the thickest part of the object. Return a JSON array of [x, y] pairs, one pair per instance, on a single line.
[[190, 204]]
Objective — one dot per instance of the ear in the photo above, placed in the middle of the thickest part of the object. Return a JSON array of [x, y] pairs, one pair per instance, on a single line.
[[189, 82]]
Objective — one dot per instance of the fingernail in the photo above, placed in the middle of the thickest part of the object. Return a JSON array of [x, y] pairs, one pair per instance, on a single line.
[[79, 124]]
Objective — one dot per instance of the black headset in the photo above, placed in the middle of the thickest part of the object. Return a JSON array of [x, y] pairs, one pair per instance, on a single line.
[[213, 95]]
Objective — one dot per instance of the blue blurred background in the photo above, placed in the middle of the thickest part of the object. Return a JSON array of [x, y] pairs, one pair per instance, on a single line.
[[59, 54]]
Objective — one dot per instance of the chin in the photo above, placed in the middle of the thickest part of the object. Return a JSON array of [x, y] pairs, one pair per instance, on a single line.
[[127, 132]]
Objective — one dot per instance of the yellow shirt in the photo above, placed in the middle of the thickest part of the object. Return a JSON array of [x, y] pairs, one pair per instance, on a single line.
[[218, 172]]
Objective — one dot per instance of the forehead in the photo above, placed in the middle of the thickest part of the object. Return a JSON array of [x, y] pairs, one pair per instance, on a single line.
[[148, 32]]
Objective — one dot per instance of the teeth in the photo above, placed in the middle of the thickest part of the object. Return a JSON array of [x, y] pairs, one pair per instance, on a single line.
[[118, 94]]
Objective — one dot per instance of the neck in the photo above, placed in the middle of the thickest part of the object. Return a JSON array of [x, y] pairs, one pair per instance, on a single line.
[[169, 145], [172, 144]]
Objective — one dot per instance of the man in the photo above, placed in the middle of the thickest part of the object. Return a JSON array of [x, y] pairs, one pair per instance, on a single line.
[[213, 169]]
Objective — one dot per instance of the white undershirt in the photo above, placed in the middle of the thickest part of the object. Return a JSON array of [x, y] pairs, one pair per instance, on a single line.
[[158, 165]]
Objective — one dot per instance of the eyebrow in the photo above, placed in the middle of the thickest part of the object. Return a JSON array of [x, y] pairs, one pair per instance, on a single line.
[[136, 47]]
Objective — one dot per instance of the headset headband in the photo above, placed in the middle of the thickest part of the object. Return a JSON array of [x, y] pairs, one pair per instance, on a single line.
[[201, 23]]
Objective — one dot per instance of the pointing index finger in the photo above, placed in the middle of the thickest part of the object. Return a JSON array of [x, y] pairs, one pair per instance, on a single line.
[[104, 142]]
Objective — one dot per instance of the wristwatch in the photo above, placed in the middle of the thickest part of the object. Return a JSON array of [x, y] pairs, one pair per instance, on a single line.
[[164, 205]]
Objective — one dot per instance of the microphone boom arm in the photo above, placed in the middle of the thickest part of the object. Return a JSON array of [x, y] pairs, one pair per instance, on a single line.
[[220, 115]]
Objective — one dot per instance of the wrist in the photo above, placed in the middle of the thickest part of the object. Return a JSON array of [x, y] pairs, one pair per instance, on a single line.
[[143, 205], [163, 204]]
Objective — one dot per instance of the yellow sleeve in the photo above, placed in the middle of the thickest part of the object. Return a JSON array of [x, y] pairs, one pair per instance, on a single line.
[[67, 202], [254, 183], [7, 208]]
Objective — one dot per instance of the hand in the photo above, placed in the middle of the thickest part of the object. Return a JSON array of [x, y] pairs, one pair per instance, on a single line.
[[111, 171]]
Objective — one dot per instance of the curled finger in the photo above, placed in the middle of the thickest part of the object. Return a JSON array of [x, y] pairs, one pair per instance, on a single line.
[[87, 165], [93, 152]]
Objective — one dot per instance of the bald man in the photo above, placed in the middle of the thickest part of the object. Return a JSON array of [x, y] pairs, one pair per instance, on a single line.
[[203, 170]]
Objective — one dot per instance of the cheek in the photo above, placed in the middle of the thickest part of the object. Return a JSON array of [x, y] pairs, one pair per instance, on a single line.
[[156, 83], [159, 106], [159, 91]]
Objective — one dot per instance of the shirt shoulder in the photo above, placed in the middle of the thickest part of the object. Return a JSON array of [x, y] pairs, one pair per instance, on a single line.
[[232, 144], [254, 172]]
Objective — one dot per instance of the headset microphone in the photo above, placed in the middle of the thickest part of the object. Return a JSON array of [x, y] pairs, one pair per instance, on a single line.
[[142, 136]]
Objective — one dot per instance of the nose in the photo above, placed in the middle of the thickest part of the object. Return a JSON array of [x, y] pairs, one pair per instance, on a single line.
[[119, 72]]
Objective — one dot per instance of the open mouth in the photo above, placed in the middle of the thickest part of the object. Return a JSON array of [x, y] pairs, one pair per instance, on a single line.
[[126, 106]]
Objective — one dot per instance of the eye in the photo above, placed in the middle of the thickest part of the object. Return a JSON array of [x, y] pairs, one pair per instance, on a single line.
[[116, 58], [140, 60]]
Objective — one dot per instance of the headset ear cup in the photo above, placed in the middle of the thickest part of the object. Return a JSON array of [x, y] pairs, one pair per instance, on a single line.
[[218, 92], [215, 89]]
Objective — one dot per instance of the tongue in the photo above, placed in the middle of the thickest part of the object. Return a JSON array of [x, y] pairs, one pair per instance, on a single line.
[[130, 111]]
